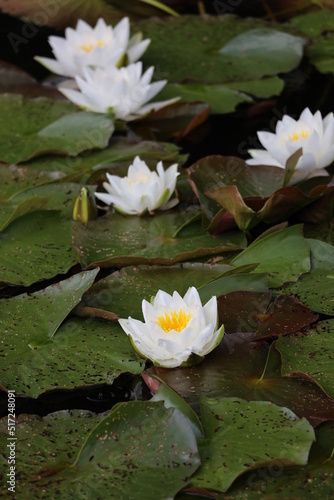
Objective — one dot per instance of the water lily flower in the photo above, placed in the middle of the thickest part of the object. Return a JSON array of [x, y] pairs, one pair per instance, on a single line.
[[102, 46], [311, 133], [141, 190], [121, 91], [176, 331]]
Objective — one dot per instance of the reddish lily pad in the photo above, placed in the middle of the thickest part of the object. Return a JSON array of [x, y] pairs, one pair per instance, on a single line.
[[263, 314], [242, 368]]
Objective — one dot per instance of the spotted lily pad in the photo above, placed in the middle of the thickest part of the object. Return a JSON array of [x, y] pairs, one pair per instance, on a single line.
[[127, 444], [165, 238], [242, 435], [311, 354]]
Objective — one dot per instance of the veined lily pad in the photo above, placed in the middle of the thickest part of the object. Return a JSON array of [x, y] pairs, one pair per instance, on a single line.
[[165, 238], [284, 255]]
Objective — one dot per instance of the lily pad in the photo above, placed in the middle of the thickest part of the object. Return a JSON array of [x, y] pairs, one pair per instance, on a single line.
[[115, 239], [263, 314], [28, 256], [315, 290], [311, 354], [242, 368], [11, 211], [50, 126], [124, 444], [94, 163], [220, 98], [232, 178], [48, 357], [319, 25], [277, 481], [16, 179], [83, 352], [122, 292], [242, 435], [284, 255], [209, 41]]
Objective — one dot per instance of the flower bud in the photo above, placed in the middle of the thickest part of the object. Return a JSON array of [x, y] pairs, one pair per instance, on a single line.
[[84, 208]]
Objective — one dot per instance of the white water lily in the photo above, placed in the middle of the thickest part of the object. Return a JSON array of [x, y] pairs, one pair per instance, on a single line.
[[312, 133], [121, 91], [142, 189], [101, 46], [175, 329]]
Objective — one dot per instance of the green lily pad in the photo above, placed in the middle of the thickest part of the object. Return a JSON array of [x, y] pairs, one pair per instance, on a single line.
[[134, 439], [16, 179], [242, 368], [284, 255], [220, 98], [33, 127], [242, 435], [82, 352], [311, 354], [122, 292], [95, 163], [315, 290], [35, 317], [30, 255], [277, 481], [319, 25], [49, 356], [115, 239], [263, 314], [218, 49], [11, 211]]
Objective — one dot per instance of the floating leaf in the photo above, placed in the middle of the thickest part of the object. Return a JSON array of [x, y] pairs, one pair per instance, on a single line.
[[244, 369], [116, 239], [263, 314], [311, 354], [28, 256], [242, 435], [50, 126], [81, 353], [316, 290], [284, 255], [132, 440], [209, 41], [123, 291]]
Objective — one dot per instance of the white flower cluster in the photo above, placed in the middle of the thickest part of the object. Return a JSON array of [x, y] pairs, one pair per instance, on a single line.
[[103, 61]]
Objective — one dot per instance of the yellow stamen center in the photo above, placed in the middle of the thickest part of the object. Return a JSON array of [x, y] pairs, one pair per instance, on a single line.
[[299, 135], [174, 321], [139, 178], [91, 46]]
